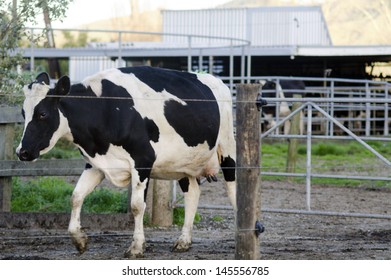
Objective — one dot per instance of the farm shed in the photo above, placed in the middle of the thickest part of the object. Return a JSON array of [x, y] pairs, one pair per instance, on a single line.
[[263, 26], [285, 41], [262, 41]]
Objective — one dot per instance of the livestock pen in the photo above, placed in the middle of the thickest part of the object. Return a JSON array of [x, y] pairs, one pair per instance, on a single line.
[[344, 223]]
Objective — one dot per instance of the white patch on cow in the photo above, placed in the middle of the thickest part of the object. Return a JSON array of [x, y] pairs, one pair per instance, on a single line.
[[191, 162], [116, 164], [95, 81], [33, 96], [270, 120], [262, 82], [284, 107]]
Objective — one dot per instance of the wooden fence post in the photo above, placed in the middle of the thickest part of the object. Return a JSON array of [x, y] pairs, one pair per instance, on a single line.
[[7, 132], [293, 142], [8, 117], [248, 171], [159, 202], [162, 212]]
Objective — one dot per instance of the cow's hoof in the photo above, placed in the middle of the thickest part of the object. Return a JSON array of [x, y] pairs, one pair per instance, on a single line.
[[135, 251], [80, 239], [181, 246]]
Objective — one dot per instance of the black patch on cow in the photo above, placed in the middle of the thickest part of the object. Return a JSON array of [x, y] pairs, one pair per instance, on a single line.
[[197, 121], [88, 166], [184, 184], [228, 167], [146, 191], [153, 130], [110, 119]]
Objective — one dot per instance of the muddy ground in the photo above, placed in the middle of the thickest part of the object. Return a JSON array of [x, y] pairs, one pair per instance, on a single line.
[[287, 236]]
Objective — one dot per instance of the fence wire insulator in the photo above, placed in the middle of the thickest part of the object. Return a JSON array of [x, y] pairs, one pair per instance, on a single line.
[[260, 102], [259, 228]]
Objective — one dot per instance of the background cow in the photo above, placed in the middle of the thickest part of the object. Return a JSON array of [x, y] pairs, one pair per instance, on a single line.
[[282, 89], [133, 124]]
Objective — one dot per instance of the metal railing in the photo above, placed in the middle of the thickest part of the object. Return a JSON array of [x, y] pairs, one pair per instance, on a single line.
[[159, 46], [332, 110]]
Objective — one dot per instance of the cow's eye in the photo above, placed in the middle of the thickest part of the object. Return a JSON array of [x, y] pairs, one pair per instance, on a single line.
[[43, 115]]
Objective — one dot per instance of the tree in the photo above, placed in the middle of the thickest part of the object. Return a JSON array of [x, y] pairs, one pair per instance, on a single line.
[[15, 16]]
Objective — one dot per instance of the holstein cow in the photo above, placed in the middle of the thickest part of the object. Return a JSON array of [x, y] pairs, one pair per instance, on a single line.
[[282, 89], [133, 124]]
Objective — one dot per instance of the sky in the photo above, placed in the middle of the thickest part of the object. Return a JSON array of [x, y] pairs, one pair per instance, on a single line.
[[86, 11]]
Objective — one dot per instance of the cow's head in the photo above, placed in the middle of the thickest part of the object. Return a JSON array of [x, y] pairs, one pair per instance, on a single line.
[[268, 85], [44, 123]]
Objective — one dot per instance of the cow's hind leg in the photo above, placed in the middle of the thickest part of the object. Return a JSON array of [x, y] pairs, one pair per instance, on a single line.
[[89, 179], [192, 192]]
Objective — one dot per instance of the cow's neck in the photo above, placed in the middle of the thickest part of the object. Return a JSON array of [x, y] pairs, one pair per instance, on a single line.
[[64, 129], [81, 127]]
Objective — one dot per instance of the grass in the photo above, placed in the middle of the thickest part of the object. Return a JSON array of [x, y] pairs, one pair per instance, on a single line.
[[52, 194], [331, 157], [179, 216], [217, 219]]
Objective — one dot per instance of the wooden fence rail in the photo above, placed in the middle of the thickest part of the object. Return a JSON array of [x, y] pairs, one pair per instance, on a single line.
[[49, 167]]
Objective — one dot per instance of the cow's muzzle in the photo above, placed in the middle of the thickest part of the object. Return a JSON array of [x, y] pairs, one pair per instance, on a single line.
[[24, 155]]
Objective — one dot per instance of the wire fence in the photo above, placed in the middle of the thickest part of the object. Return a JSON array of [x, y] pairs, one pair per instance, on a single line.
[[334, 109], [308, 104]]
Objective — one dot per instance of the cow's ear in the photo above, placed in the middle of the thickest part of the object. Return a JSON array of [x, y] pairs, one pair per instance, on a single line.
[[43, 78], [63, 86]]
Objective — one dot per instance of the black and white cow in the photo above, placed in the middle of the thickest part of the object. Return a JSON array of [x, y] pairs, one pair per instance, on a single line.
[[133, 124], [280, 89]]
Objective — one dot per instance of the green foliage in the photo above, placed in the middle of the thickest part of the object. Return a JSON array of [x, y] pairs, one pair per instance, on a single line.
[[71, 41], [52, 194], [46, 194], [323, 149], [13, 22], [104, 200], [217, 218], [335, 149]]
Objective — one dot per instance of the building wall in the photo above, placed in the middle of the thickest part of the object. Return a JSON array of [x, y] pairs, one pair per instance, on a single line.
[[265, 26]]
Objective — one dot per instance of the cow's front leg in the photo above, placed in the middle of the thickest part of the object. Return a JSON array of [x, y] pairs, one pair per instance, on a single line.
[[89, 179], [192, 196], [137, 205]]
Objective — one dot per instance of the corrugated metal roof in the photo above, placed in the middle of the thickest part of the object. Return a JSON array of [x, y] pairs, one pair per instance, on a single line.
[[263, 26]]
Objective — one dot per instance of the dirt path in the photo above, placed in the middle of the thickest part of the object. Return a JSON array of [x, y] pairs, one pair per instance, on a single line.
[[287, 236]]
